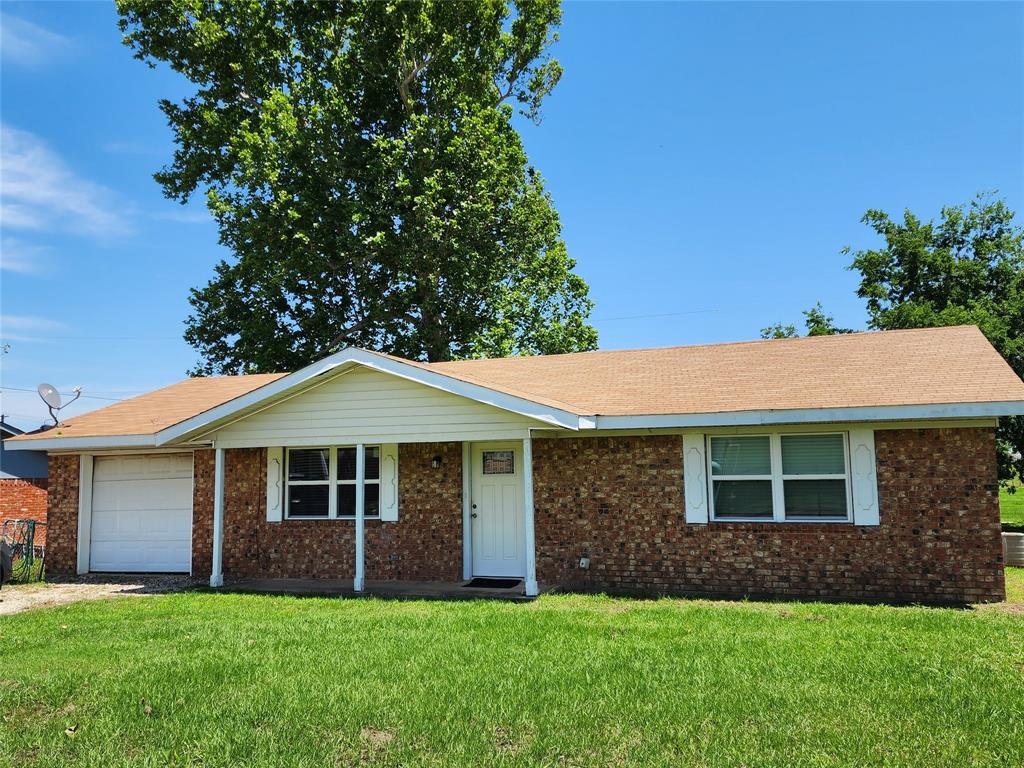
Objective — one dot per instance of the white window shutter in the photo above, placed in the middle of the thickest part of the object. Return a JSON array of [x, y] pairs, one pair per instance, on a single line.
[[864, 481], [389, 482], [275, 484], [695, 478]]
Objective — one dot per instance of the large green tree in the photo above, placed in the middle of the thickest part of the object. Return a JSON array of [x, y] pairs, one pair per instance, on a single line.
[[361, 163], [966, 268]]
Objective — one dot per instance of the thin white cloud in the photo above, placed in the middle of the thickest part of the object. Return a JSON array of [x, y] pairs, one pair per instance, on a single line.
[[38, 191], [28, 328], [25, 44], [30, 323], [24, 258]]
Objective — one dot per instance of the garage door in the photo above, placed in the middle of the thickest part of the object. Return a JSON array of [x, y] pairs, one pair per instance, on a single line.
[[142, 513]]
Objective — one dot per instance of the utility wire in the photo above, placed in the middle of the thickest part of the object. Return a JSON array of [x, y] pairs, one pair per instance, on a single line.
[[645, 317], [65, 394]]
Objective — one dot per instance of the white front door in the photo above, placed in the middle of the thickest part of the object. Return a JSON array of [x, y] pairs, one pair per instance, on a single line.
[[142, 513], [499, 538]]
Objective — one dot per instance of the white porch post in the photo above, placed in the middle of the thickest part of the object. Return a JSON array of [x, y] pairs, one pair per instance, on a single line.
[[217, 572], [531, 544], [359, 580], [467, 510]]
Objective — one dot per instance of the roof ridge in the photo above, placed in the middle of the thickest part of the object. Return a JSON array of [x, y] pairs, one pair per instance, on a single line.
[[716, 344]]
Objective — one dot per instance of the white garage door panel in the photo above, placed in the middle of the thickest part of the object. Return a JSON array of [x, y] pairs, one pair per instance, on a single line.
[[171, 465], [140, 556], [142, 494], [141, 513]]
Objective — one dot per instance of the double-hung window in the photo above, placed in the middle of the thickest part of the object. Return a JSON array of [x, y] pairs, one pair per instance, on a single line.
[[322, 483], [346, 483], [780, 477]]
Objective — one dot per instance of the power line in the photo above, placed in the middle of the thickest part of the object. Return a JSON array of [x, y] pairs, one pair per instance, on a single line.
[[49, 337], [645, 317], [65, 394]]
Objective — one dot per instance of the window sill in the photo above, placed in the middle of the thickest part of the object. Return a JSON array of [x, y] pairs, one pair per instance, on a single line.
[[325, 519], [767, 521]]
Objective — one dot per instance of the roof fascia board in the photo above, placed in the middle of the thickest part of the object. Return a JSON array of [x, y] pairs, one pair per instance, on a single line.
[[751, 429], [815, 415], [80, 443], [205, 421]]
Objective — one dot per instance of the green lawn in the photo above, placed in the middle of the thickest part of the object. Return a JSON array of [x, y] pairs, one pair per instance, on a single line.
[[219, 680], [1015, 585], [1011, 507]]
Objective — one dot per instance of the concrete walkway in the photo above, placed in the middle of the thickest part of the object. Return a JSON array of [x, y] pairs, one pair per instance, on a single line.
[[15, 598], [426, 590]]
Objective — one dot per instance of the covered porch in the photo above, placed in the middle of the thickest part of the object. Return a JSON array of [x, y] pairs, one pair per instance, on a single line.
[[433, 520]]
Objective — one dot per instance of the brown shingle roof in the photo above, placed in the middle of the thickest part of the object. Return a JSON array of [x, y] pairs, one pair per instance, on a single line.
[[909, 367], [889, 368]]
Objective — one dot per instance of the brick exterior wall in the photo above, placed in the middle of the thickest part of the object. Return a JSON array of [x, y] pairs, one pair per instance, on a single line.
[[425, 543], [24, 500], [62, 515], [202, 512], [620, 501]]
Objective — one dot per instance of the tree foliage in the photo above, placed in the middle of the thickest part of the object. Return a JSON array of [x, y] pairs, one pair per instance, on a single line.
[[816, 321], [361, 164], [967, 268]]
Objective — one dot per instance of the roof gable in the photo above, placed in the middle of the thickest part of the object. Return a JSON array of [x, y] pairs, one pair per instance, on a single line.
[[359, 404], [336, 364]]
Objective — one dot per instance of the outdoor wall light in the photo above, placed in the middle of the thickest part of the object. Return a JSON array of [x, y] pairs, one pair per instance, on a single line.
[[435, 462]]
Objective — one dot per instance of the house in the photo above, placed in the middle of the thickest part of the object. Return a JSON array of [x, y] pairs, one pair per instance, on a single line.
[[22, 483], [859, 466]]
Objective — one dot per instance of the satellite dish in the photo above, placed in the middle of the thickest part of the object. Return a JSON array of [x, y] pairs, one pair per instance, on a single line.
[[53, 400], [50, 395]]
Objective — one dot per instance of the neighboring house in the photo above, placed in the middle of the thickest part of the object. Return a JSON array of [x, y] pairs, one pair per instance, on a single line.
[[22, 483], [860, 466]]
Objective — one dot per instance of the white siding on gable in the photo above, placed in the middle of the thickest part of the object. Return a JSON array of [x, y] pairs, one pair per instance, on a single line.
[[366, 406]]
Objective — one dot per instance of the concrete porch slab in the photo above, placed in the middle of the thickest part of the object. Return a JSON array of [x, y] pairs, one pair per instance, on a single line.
[[407, 590]]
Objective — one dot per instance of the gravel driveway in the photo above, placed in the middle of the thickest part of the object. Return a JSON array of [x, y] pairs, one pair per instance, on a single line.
[[22, 597]]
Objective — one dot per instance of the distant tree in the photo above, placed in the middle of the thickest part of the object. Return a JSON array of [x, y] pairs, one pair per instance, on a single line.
[[779, 331], [820, 324], [361, 164], [968, 268], [815, 320]]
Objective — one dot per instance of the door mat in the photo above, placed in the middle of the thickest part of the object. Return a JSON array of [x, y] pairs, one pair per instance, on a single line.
[[481, 583]]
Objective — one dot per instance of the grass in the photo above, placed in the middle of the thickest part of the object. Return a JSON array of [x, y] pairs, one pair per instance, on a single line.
[[1015, 585], [1011, 506], [220, 680], [32, 572]]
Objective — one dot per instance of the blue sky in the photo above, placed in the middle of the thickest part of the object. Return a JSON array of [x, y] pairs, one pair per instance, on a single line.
[[709, 162]]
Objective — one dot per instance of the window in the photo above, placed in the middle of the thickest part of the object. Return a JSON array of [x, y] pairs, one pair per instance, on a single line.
[[499, 462], [314, 472], [814, 477], [309, 482], [347, 482], [796, 477], [741, 470]]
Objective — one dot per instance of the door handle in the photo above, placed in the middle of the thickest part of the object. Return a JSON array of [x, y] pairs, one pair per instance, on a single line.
[[472, 514]]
